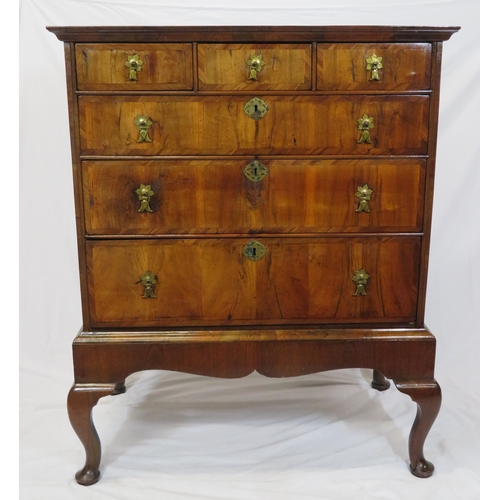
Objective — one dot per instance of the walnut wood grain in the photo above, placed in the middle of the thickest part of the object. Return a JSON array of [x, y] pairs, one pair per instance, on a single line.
[[81, 399], [218, 125], [259, 333], [430, 175], [342, 66], [401, 354], [70, 62], [427, 395], [296, 196], [165, 66], [260, 34], [223, 67], [209, 282]]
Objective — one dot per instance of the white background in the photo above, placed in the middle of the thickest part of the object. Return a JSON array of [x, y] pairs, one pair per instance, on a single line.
[[177, 436]]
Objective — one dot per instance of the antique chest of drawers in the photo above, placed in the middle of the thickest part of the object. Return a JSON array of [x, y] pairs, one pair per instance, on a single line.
[[253, 198]]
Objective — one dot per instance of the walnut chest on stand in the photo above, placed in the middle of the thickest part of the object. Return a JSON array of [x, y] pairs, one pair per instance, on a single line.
[[253, 198]]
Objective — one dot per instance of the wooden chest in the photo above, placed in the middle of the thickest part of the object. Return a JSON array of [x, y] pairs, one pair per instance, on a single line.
[[253, 198]]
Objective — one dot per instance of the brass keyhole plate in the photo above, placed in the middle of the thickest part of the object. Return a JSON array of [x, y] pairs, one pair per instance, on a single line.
[[255, 171], [256, 108], [254, 250]]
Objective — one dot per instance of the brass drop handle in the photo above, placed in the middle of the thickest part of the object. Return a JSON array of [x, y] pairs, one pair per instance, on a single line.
[[365, 124], [148, 281], [255, 171], [360, 279], [144, 192], [256, 108], [254, 250], [255, 63], [134, 64], [373, 64], [364, 194], [143, 123]]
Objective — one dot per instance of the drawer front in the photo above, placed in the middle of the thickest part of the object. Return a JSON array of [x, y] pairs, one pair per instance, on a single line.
[[254, 66], [238, 196], [352, 66], [189, 282], [134, 66], [218, 125]]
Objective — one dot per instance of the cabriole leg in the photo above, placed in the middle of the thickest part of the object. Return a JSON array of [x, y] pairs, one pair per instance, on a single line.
[[379, 381], [81, 399], [427, 395], [120, 388]]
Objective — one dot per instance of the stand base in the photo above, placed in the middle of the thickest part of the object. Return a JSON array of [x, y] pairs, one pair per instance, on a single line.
[[103, 360]]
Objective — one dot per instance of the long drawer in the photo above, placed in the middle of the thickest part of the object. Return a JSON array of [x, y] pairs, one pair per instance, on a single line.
[[261, 196], [244, 281], [219, 125]]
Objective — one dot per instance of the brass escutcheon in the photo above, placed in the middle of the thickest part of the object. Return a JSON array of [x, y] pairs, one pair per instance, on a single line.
[[365, 124], [143, 122], [134, 64], [148, 281], [364, 194], [360, 278], [144, 192], [254, 250], [255, 63], [255, 171], [256, 108], [373, 64]]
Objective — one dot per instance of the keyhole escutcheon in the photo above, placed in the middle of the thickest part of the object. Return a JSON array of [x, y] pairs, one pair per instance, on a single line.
[[254, 250], [256, 108], [255, 171]]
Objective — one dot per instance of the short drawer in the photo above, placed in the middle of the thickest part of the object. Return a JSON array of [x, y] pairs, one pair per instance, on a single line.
[[262, 196], [384, 66], [220, 125], [138, 66], [254, 66], [244, 281]]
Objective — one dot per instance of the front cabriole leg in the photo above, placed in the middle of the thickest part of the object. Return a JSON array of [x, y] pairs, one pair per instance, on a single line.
[[81, 399], [427, 395]]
